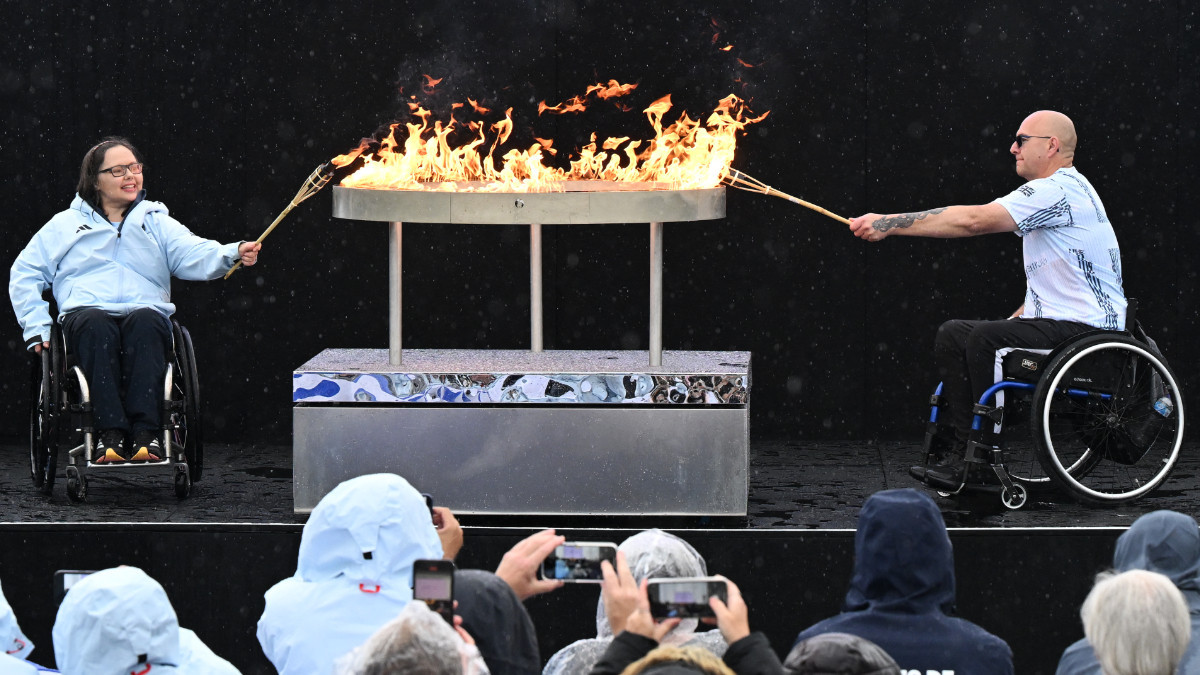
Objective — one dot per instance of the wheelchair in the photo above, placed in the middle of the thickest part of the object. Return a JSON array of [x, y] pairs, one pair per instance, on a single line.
[[60, 417], [1105, 420]]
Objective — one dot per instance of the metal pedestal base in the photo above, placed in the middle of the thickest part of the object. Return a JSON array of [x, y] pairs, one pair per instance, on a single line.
[[525, 433]]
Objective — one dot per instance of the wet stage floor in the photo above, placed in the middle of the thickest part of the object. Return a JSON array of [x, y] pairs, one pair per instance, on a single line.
[[794, 485]]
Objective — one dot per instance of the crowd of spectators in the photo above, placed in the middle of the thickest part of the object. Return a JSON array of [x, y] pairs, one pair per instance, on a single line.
[[349, 608]]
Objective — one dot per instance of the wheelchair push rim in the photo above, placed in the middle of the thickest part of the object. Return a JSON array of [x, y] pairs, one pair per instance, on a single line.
[[1078, 432]]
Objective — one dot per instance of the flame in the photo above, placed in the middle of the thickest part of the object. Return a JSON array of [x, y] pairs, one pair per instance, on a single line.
[[430, 83], [613, 89], [418, 155], [726, 48], [478, 108]]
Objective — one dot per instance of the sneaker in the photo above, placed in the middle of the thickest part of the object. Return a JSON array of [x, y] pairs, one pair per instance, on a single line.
[[146, 448], [111, 449], [948, 475]]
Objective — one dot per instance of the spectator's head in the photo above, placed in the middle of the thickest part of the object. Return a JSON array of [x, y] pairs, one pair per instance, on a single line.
[[368, 529], [493, 614], [1137, 623], [1165, 542], [839, 654], [655, 554], [114, 622], [671, 660], [12, 639], [902, 554], [416, 641]]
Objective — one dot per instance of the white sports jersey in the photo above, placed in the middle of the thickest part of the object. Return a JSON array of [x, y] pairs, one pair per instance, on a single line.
[[1072, 261]]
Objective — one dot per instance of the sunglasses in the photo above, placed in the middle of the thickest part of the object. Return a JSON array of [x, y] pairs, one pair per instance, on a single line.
[[1021, 138]]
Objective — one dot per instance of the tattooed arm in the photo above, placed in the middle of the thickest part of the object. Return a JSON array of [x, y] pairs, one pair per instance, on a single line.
[[949, 221]]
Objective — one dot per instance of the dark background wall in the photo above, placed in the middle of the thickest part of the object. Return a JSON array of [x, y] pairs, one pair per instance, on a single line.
[[883, 106]]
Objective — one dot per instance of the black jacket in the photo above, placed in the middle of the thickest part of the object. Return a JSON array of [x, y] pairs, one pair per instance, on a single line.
[[752, 655]]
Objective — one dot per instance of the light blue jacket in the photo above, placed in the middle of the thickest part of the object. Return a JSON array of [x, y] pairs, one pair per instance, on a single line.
[[119, 622], [12, 640], [1166, 542], [354, 573], [90, 262]]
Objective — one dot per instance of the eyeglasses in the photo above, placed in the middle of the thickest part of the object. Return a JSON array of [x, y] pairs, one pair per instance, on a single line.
[[120, 170], [1021, 138]]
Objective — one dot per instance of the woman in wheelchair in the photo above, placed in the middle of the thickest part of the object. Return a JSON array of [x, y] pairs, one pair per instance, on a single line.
[[108, 260]]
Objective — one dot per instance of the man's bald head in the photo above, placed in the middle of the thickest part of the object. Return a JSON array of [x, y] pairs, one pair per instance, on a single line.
[[1056, 124], [1048, 144]]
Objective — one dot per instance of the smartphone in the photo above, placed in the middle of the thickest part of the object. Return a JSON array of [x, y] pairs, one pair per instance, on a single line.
[[685, 597], [579, 561], [429, 505], [65, 579], [433, 582]]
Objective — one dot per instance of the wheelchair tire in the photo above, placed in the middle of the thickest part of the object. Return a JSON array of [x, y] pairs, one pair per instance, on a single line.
[[76, 485], [183, 483], [193, 447], [1098, 435], [45, 401]]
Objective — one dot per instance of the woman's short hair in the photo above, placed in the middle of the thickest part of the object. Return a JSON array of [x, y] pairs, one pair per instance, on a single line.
[[89, 170], [1137, 622]]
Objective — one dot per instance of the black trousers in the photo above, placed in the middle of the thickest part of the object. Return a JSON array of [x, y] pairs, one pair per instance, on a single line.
[[124, 360], [965, 354]]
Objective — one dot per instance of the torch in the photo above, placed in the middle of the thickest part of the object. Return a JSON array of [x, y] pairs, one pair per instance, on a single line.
[[741, 181], [312, 185]]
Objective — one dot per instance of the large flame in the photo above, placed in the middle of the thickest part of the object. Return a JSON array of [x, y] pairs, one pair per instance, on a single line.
[[418, 155]]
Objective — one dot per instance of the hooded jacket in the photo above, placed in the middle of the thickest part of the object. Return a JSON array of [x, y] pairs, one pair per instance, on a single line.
[[493, 614], [91, 262], [12, 639], [902, 592], [353, 575], [119, 622], [1161, 541]]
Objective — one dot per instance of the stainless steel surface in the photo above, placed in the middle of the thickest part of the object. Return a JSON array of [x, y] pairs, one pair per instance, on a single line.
[[520, 208], [395, 297], [656, 290], [533, 459], [535, 287]]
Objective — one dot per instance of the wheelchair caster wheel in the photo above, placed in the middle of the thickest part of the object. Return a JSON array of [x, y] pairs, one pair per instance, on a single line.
[[183, 483], [76, 485], [1015, 497]]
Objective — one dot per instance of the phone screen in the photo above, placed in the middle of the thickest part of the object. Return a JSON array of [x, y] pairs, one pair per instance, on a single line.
[[684, 598], [433, 582], [65, 579], [578, 561]]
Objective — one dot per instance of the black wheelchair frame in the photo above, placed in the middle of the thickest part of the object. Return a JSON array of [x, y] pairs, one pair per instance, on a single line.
[[1105, 412], [61, 416]]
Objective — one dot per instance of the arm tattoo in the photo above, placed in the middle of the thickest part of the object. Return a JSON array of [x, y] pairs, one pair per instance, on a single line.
[[904, 220]]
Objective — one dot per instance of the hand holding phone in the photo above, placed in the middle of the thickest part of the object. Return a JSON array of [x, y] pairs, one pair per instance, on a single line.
[[433, 582], [578, 561], [686, 597], [64, 580]]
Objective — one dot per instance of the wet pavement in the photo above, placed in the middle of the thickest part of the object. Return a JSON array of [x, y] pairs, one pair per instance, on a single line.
[[792, 485]]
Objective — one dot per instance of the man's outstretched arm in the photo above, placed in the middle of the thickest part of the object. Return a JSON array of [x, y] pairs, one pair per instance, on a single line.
[[945, 222]]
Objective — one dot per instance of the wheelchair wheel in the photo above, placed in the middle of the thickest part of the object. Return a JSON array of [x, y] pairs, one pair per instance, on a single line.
[[44, 411], [189, 427], [1107, 419]]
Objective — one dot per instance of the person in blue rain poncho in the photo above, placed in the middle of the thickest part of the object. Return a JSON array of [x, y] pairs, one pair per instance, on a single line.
[[1161, 541], [119, 622], [17, 646], [901, 593], [353, 574]]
